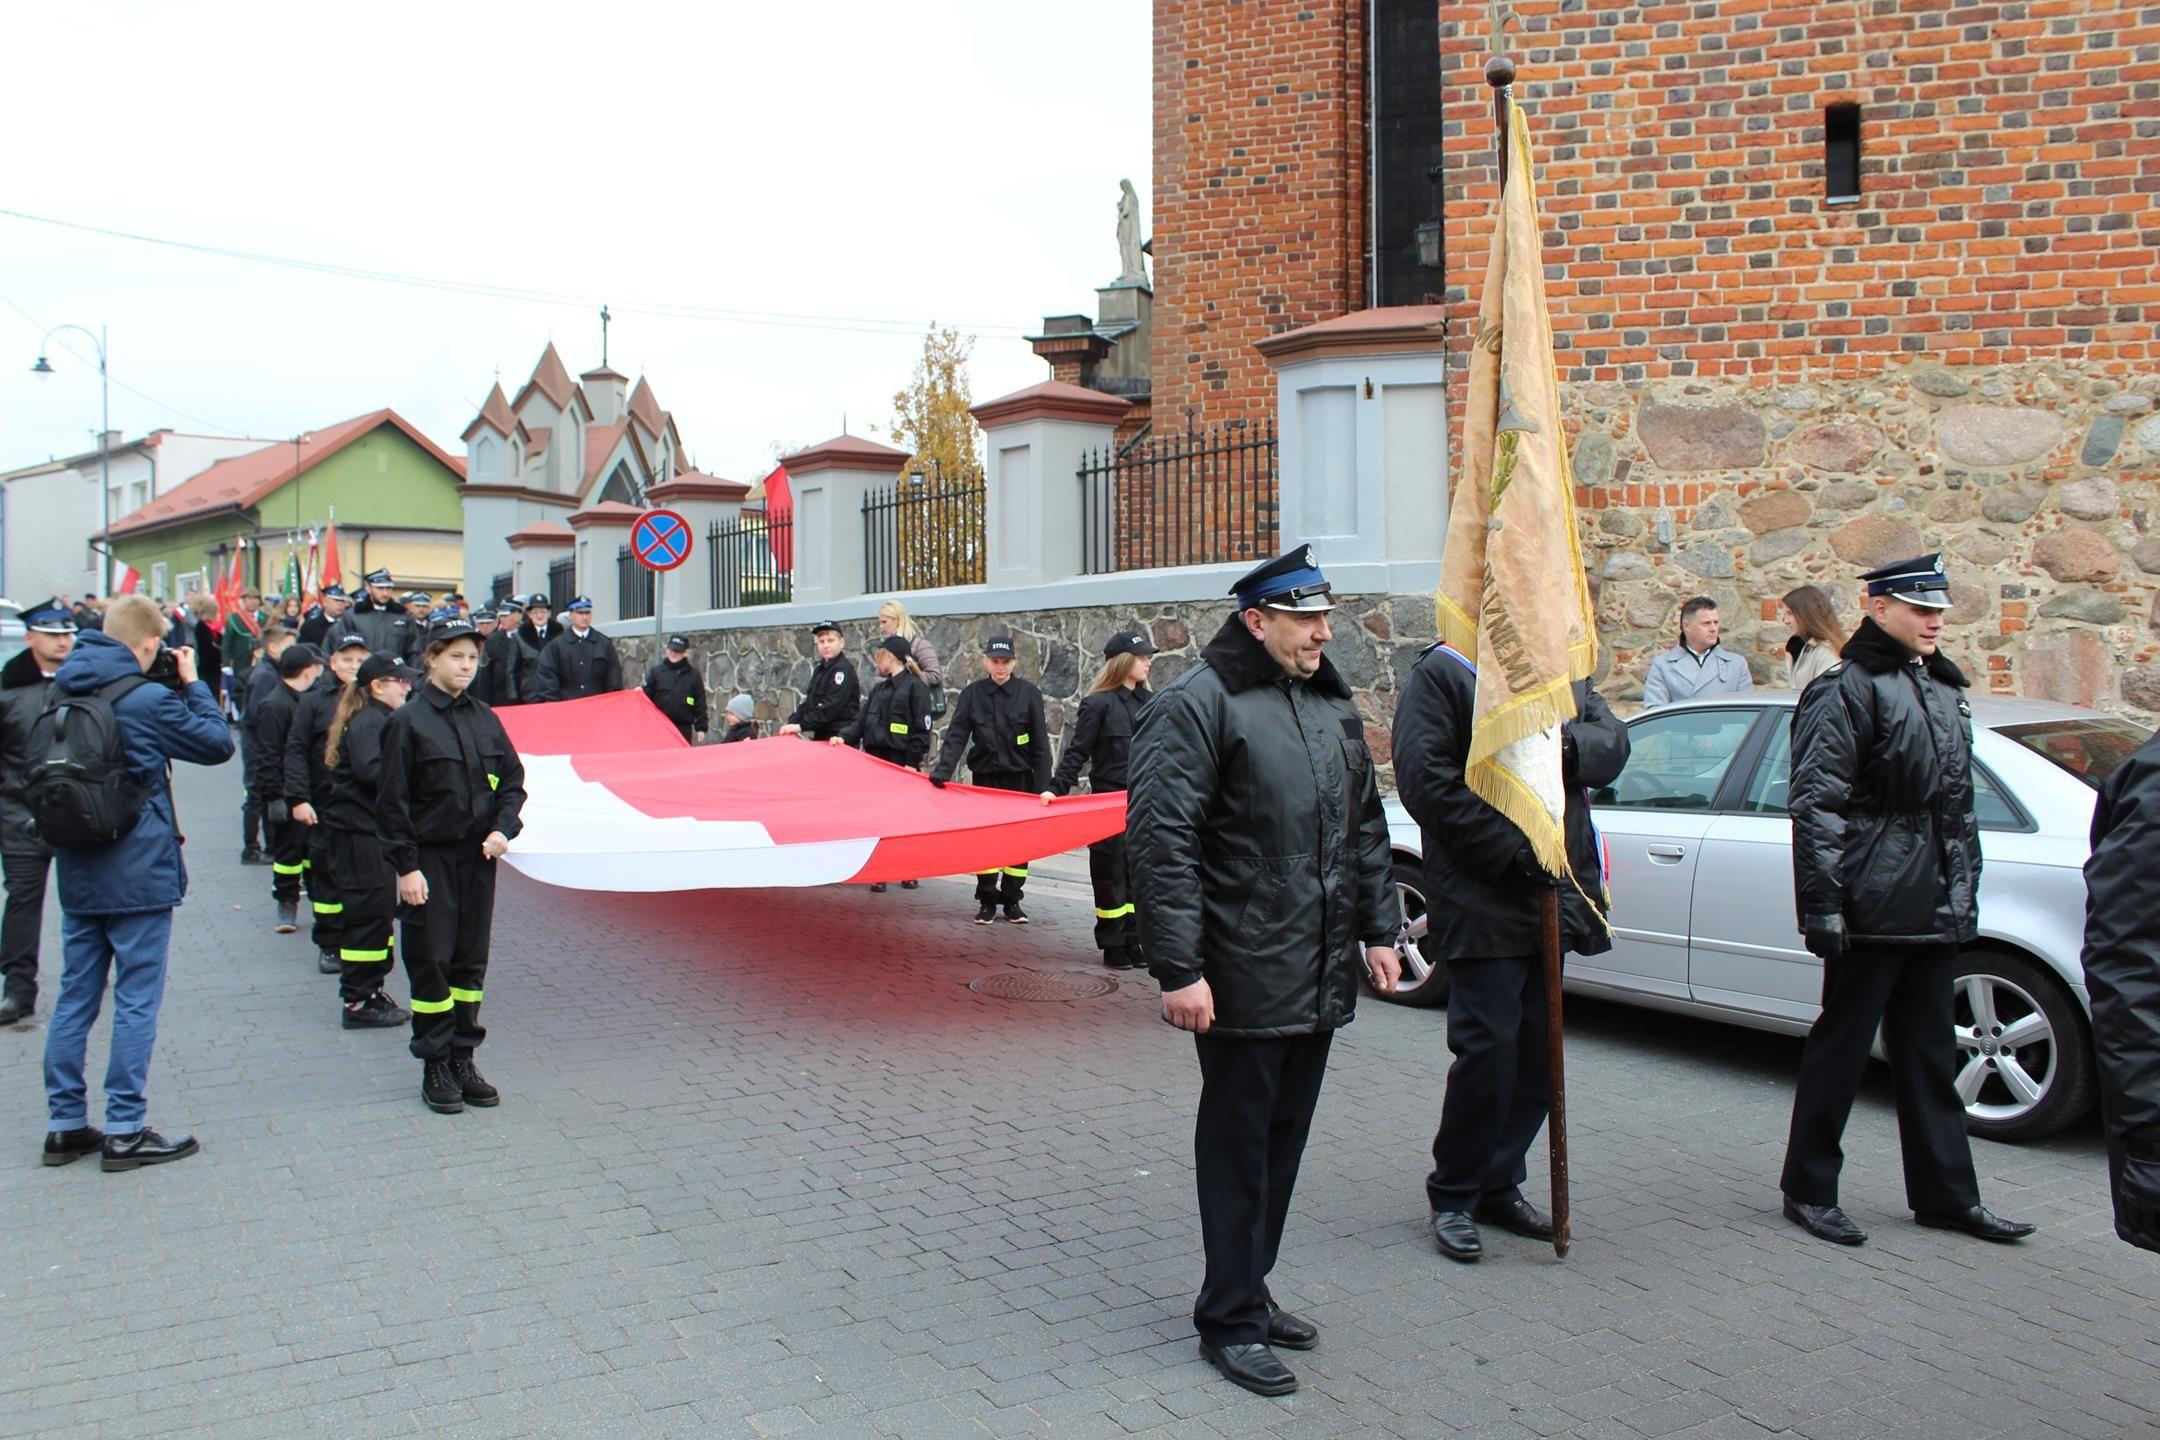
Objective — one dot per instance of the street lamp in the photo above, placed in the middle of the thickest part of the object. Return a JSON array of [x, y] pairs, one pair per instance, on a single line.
[[44, 367]]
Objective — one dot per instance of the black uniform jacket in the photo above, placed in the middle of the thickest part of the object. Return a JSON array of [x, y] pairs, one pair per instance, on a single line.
[[1004, 732], [388, 630], [271, 723], [1258, 846], [1102, 737], [356, 779], [678, 688], [2122, 970], [895, 721], [1484, 885], [1882, 797], [532, 643], [832, 699], [307, 777], [23, 688], [449, 776], [260, 682], [574, 666], [315, 628], [502, 664]]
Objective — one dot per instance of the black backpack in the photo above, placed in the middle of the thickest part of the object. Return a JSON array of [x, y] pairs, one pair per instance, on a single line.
[[79, 791]]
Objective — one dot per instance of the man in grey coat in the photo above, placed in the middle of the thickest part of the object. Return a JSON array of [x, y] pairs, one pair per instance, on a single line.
[[1261, 863], [1696, 666]]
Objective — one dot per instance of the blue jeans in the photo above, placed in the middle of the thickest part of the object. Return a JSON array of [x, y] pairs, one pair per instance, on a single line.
[[132, 949]]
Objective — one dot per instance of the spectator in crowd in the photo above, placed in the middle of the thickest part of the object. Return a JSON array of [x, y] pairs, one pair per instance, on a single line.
[[289, 613], [243, 634], [499, 650], [117, 899], [1697, 665], [1817, 637], [893, 619], [89, 613], [741, 720], [210, 646]]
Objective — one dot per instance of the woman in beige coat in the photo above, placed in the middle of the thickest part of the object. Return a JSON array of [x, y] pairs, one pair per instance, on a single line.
[[1817, 637]]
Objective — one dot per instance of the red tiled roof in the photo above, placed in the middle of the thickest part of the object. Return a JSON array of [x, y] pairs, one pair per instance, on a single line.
[[645, 408], [541, 532], [599, 442], [552, 378], [244, 480], [846, 452], [607, 512], [494, 412]]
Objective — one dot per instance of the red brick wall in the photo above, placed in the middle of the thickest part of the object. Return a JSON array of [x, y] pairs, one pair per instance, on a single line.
[[2010, 169], [1259, 192]]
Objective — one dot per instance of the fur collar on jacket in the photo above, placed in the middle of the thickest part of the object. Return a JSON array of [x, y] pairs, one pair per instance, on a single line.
[[1875, 652], [20, 671], [1244, 662]]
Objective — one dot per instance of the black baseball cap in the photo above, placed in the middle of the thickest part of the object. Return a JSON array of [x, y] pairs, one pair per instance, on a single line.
[[898, 645], [824, 625], [443, 631], [383, 667], [1127, 642], [350, 640], [678, 642], [999, 647], [296, 659]]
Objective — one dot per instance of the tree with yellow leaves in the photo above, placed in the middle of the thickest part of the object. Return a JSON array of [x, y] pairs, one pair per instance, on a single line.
[[940, 539]]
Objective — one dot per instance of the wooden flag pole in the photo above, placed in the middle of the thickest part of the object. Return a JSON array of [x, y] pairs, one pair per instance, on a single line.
[[1500, 75]]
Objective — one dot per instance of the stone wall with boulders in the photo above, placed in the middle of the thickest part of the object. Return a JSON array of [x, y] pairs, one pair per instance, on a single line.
[[1377, 638], [2039, 482]]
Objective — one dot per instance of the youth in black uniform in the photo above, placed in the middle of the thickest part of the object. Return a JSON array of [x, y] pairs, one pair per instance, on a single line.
[[1886, 877], [307, 787], [298, 669], [352, 854], [895, 722], [260, 681], [679, 690], [579, 662], [834, 695], [452, 787], [999, 723], [1102, 737]]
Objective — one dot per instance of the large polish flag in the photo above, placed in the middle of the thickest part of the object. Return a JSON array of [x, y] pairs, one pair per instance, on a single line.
[[617, 800]]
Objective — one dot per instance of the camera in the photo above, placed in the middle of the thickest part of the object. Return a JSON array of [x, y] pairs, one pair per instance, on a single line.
[[165, 670]]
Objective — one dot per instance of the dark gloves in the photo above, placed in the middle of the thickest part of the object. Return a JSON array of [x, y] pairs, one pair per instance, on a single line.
[[1526, 865], [938, 780], [1825, 936], [277, 812], [2137, 1202], [1569, 764]]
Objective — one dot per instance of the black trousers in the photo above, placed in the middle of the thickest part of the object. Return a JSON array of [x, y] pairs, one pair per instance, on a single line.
[[446, 948], [251, 804], [1497, 1089], [1108, 868], [323, 889], [288, 845], [24, 921], [1001, 886], [365, 937], [1905, 989], [1256, 1108]]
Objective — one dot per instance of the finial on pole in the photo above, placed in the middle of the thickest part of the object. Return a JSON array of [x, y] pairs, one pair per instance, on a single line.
[[1500, 72], [1500, 75]]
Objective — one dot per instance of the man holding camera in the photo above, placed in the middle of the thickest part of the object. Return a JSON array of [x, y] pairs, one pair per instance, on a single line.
[[117, 898]]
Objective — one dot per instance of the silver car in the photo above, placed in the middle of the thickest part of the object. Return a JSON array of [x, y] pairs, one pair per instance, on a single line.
[[1700, 852]]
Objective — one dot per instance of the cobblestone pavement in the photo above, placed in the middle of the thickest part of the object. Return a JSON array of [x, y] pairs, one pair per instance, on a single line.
[[767, 1166]]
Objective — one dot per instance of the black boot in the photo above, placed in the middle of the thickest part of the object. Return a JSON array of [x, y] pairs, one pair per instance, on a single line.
[[440, 1089], [471, 1083]]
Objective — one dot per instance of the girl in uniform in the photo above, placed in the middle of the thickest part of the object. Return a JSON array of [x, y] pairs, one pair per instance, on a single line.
[[1101, 737], [895, 721], [452, 787], [353, 853]]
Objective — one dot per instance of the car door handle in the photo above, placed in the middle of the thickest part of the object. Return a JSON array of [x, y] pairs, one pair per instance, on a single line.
[[1667, 854]]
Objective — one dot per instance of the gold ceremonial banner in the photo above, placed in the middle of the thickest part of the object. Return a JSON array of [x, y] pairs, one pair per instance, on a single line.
[[1513, 597]]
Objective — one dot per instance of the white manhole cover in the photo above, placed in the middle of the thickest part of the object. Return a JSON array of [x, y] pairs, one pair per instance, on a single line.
[[1043, 985]]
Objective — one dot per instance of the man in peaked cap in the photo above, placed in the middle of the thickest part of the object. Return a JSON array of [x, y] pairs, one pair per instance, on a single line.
[[579, 662], [1886, 876], [25, 682], [384, 622], [325, 617], [1264, 886]]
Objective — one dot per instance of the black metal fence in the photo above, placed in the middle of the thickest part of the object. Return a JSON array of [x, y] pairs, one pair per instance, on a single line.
[[562, 582], [499, 587], [1205, 497], [753, 559], [923, 531], [633, 586]]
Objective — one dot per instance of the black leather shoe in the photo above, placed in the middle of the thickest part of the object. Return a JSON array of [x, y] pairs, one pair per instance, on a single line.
[[1253, 1367], [1517, 1217], [1978, 1222], [911, 884], [253, 856], [440, 1089], [65, 1147], [145, 1147], [1825, 1222], [1458, 1237], [471, 1083], [14, 1011], [878, 888], [1290, 1332], [327, 962]]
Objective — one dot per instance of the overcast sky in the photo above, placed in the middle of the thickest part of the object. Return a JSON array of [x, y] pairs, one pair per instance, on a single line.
[[867, 167]]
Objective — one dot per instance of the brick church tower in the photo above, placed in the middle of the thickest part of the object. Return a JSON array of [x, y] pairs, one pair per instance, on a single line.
[[1832, 283]]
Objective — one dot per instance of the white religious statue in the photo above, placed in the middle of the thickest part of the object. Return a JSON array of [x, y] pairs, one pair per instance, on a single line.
[[1132, 264]]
